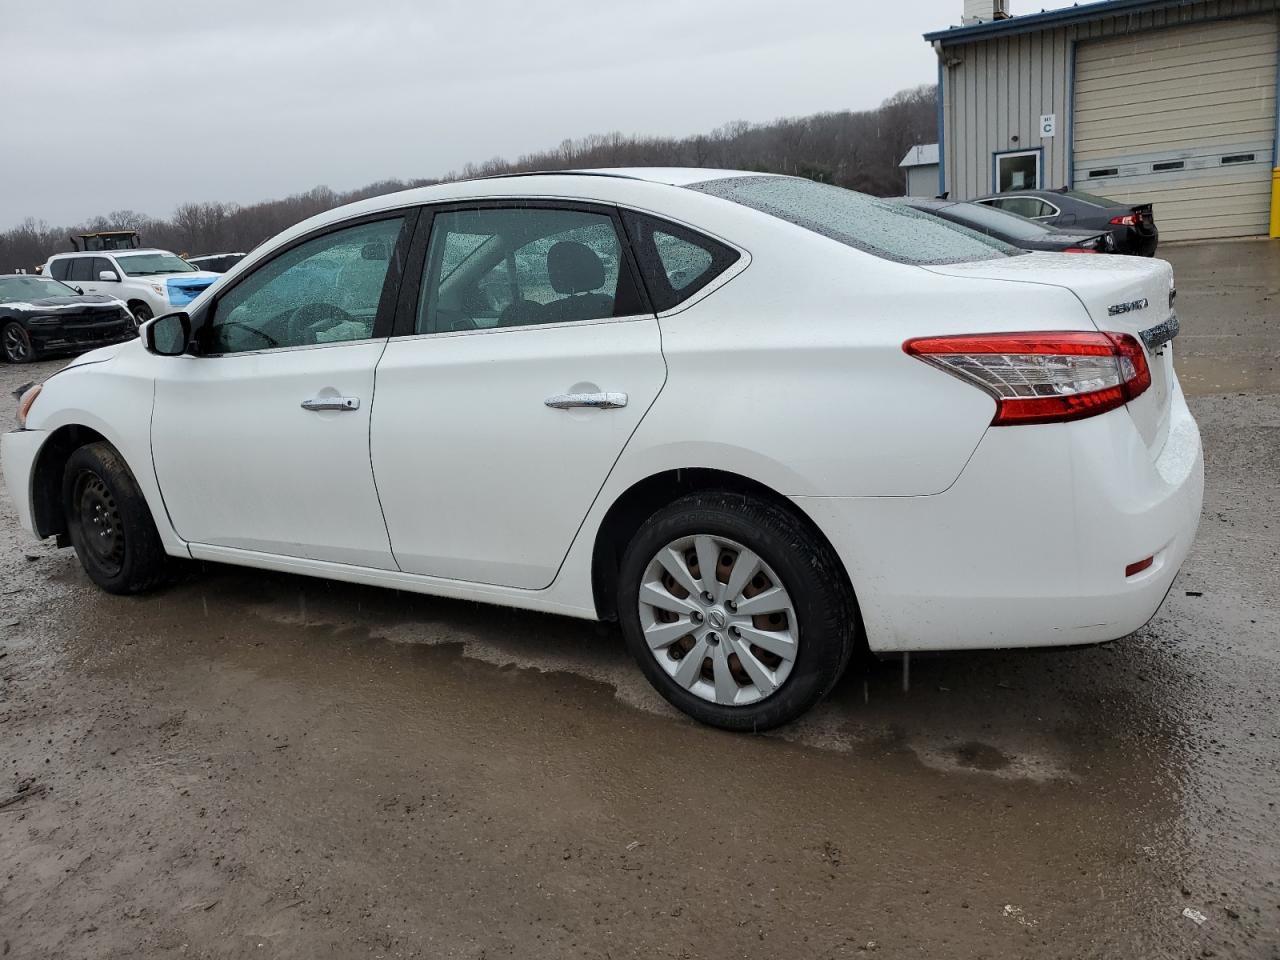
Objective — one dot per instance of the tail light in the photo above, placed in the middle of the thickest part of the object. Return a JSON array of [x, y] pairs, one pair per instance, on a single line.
[[1042, 377], [1079, 250], [1128, 220]]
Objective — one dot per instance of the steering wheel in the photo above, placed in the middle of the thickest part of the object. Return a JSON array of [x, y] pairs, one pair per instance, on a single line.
[[309, 320]]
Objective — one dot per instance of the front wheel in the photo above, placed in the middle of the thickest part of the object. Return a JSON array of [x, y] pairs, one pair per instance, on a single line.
[[16, 343], [735, 610], [109, 522], [141, 312]]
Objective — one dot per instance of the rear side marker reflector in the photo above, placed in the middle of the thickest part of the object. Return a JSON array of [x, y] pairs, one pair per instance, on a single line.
[[1042, 377], [1138, 567]]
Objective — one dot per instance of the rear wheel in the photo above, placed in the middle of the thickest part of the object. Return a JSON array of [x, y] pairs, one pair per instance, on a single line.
[[735, 610], [109, 522], [16, 343]]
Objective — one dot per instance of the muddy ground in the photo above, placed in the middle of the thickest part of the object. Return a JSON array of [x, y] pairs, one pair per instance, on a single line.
[[253, 764]]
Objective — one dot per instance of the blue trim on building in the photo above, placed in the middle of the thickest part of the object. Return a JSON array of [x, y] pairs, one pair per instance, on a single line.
[[1048, 18], [1071, 114], [942, 131], [995, 160]]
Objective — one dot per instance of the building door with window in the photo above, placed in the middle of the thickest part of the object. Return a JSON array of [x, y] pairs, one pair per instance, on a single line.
[[1017, 171]]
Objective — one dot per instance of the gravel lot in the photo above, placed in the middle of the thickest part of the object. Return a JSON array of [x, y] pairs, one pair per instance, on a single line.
[[253, 764]]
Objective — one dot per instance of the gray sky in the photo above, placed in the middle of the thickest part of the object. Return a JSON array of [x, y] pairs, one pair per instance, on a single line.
[[126, 104]]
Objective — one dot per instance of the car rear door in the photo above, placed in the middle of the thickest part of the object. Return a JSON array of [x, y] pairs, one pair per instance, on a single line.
[[526, 357]]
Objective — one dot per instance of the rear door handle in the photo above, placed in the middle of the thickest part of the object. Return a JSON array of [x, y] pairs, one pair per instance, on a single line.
[[598, 401], [332, 403]]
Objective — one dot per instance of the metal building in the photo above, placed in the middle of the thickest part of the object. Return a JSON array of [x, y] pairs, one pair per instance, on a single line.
[[1172, 102], [921, 168]]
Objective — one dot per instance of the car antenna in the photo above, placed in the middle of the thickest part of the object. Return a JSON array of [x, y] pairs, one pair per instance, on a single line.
[[943, 195]]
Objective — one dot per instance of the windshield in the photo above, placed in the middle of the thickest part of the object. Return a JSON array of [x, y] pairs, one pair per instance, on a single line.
[[15, 289], [150, 264], [883, 228], [989, 218]]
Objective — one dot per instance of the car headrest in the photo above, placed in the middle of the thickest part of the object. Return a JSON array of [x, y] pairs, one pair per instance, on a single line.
[[574, 267]]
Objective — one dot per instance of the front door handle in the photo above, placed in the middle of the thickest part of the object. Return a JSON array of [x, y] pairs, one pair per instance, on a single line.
[[332, 403], [597, 401]]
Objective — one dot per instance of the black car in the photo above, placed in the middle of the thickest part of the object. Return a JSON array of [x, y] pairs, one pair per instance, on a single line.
[[41, 315], [1012, 229], [215, 262], [1132, 226]]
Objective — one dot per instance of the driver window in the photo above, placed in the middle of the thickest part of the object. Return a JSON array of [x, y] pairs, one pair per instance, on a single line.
[[326, 290]]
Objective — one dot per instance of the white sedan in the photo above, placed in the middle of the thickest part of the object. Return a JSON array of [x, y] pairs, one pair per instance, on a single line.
[[761, 422]]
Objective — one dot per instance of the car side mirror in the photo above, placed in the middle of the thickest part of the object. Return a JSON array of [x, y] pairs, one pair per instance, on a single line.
[[108, 276], [169, 335]]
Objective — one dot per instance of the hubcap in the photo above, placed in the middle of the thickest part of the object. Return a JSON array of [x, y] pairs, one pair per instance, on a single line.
[[718, 620], [15, 345], [102, 532]]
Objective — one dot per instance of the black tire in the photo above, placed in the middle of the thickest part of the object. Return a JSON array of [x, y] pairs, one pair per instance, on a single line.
[[109, 522], [141, 312], [829, 626], [16, 343]]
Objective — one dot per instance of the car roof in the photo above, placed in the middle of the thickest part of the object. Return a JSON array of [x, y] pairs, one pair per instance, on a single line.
[[110, 253], [608, 185]]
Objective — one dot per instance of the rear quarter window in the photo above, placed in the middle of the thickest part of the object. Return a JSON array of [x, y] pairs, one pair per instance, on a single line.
[[675, 262], [882, 228]]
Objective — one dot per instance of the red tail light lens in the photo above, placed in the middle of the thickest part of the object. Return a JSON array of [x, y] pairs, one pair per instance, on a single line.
[[1042, 377], [1079, 250], [1128, 220]]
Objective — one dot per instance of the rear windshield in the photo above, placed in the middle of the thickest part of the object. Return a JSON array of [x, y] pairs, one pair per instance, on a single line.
[[1093, 198], [881, 227], [989, 218]]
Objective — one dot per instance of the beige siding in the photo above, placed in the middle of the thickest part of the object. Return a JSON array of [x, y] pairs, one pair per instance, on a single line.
[[997, 89], [1190, 95]]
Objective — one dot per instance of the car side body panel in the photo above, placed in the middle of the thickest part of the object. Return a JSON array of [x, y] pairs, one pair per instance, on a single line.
[[111, 391]]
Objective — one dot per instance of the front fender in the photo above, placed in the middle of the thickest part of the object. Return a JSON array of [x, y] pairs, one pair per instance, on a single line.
[[113, 399]]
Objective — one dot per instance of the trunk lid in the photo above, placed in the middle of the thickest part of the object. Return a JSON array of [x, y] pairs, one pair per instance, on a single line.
[[1132, 295]]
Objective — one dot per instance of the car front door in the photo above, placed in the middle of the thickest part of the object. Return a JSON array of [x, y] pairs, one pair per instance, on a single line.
[[94, 282], [528, 358], [261, 440]]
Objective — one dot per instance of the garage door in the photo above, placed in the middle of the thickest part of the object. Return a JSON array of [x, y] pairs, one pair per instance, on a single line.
[[1182, 117]]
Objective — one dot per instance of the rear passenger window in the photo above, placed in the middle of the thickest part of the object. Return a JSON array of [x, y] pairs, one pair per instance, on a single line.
[[81, 270], [523, 266], [675, 262]]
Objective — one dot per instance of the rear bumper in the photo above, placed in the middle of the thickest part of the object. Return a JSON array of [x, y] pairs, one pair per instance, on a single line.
[[1029, 546], [18, 451], [1129, 240]]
